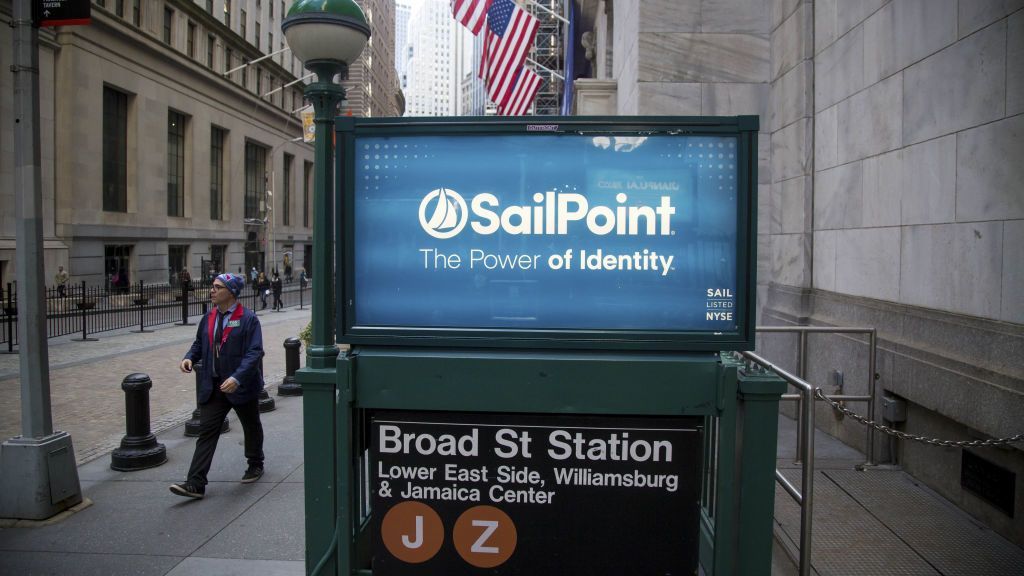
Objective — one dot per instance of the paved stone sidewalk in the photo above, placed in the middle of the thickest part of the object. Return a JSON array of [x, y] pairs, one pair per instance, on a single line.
[[85, 379]]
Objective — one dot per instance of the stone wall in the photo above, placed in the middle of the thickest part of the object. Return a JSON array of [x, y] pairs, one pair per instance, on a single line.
[[918, 207]]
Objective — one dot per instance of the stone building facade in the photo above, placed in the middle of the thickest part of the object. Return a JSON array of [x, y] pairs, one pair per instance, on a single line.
[[891, 195], [154, 159]]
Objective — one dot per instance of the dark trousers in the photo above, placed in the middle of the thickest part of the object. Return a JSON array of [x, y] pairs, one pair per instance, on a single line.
[[211, 418], [278, 304]]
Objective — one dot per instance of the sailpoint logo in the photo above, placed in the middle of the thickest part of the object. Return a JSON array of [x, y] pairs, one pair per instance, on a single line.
[[448, 216], [550, 213]]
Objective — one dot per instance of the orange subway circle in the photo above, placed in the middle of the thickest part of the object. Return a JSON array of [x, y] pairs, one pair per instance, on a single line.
[[412, 532]]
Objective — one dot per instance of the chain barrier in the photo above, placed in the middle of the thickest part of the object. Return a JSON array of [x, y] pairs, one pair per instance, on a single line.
[[924, 439]]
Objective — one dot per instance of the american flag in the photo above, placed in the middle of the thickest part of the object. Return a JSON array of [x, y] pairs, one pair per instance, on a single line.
[[526, 86], [509, 35], [471, 13]]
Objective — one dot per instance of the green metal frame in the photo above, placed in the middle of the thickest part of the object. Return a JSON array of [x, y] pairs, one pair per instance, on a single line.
[[744, 128], [339, 391], [743, 406]]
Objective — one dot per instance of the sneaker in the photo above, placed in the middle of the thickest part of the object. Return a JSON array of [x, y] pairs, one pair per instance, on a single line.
[[188, 490], [252, 474]]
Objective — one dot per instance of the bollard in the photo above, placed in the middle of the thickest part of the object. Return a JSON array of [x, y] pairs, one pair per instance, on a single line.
[[139, 449], [192, 426], [289, 387]]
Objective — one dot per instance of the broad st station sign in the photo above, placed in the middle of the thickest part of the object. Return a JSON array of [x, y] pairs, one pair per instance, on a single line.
[[534, 494], [632, 234]]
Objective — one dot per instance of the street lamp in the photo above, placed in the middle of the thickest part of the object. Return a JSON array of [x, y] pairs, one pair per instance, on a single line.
[[326, 35]]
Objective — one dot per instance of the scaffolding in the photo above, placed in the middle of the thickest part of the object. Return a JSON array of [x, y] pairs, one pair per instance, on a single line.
[[549, 52]]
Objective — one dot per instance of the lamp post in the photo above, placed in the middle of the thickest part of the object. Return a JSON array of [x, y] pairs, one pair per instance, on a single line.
[[326, 35]]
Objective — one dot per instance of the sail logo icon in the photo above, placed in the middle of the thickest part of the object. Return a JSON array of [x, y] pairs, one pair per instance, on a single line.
[[447, 213]]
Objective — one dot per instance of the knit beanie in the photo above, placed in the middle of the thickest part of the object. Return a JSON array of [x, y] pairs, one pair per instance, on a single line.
[[232, 282]]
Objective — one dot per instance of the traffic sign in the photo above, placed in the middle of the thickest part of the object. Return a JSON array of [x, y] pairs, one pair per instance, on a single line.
[[61, 12]]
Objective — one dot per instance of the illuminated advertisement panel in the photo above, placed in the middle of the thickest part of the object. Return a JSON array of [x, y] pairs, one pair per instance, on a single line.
[[571, 234]]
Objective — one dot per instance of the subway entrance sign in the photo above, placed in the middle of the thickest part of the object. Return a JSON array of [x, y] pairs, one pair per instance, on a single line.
[[535, 494], [533, 317]]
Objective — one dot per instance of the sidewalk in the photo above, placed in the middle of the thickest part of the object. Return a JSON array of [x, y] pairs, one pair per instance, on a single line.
[[85, 379], [879, 522]]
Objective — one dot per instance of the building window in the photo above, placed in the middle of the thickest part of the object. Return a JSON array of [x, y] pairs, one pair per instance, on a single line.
[[137, 12], [217, 173], [242, 23], [227, 13], [117, 263], [307, 182], [245, 77], [217, 262], [255, 173], [286, 198], [210, 42], [175, 163], [270, 41], [115, 150], [259, 81], [209, 6], [177, 260], [256, 38], [227, 59], [191, 40], [271, 7], [168, 23], [119, 8]]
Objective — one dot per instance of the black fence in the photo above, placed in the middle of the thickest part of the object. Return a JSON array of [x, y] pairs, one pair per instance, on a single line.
[[85, 310]]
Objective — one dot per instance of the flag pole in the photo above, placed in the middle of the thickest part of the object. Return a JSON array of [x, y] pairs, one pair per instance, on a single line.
[[543, 67]]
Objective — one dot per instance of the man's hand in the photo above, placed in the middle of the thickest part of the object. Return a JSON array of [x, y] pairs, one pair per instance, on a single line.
[[186, 365], [230, 385]]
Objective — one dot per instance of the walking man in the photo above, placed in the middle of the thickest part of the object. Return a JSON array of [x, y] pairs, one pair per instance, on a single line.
[[62, 281], [230, 344]]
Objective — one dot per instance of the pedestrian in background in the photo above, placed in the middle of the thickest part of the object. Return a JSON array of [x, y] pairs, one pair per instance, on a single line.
[[229, 341], [263, 288], [61, 279], [275, 288]]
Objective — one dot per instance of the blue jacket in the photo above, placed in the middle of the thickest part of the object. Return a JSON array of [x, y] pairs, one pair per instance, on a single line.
[[240, 358]]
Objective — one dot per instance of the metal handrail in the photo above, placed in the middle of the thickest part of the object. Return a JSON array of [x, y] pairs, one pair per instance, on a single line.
[[803, 331], [803, 497]]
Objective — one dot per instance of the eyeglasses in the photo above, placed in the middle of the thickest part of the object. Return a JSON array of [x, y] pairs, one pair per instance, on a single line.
[[216, 287]]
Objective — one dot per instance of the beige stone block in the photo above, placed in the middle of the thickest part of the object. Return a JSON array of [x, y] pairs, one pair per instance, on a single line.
[[935, 105], [1015, 64], [824, 24], [976, 14], [791, 96], [791, 259], [990, 172], [764, 158], [870, 121], [733, 99], [954, 267], [868, 263], [791, 150], [924, 27], [668, 15], [883, 189], [1012, 305], [794, 201], [826, 138], [791, 42], [683, 57], [825, 259], [881, 47], [929, 182], [782, 9], [669, 99], [850, 13], [731, 16], [764, 208], [839, 70], [838, 197]]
